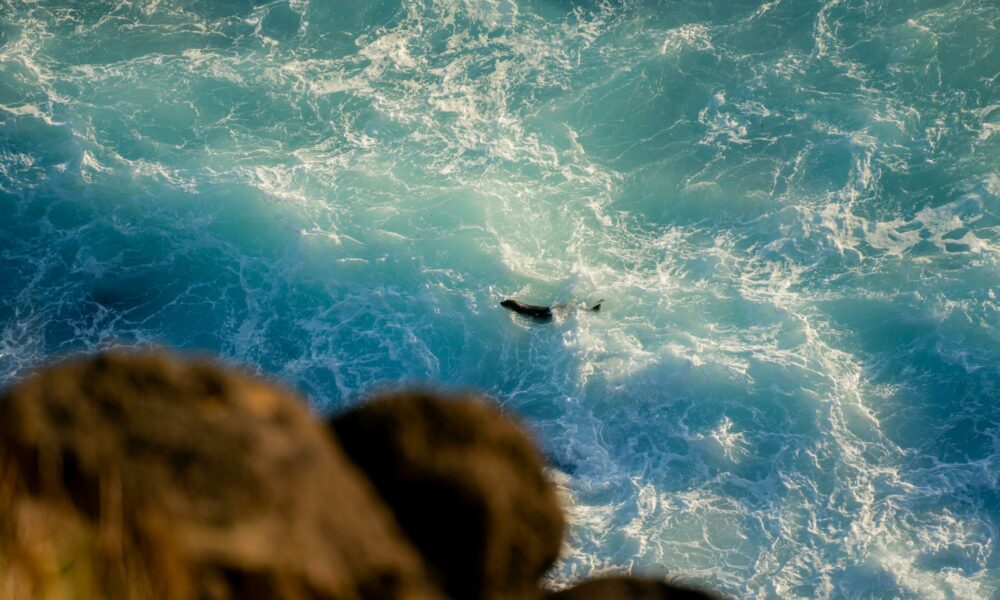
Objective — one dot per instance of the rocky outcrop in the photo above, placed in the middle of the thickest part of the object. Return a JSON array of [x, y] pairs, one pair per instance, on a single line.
[[181, 480], [151, 476], [628, 588], [466, 485]]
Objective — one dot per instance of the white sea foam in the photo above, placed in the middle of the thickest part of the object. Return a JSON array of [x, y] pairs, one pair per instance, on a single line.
[[786, 393]]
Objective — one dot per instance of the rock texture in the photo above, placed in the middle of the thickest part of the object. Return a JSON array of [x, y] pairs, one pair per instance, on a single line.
[[466, 485], [172, 478], [150, 476], [628, 588]]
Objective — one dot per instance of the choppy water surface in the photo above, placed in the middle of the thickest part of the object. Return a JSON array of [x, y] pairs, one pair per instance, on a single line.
[[792, 209]]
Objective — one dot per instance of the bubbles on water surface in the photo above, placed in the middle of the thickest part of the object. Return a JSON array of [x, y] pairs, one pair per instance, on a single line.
[[790, 209]]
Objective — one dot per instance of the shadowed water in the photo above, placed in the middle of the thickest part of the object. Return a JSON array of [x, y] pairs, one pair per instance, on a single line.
[[792, 209]]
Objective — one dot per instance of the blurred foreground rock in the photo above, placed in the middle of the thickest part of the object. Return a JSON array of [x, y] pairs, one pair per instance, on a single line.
[[627, 588], [466, 485], [185, 481], [149, 476]]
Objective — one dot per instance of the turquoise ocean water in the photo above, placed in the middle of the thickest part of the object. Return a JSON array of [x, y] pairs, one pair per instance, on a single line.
[[792, 209]]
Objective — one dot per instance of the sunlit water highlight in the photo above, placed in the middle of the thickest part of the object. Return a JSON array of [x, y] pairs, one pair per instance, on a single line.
[[792, 209]]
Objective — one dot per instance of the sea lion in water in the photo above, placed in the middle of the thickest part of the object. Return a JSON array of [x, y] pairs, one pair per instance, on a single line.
[[543, 313]]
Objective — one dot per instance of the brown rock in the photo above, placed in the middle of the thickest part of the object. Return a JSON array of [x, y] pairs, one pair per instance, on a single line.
[[466, 485], [151, 476], [628, 588]]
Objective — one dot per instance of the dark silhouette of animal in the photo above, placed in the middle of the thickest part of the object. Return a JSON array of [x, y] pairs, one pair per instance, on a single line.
[[542, 313]]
